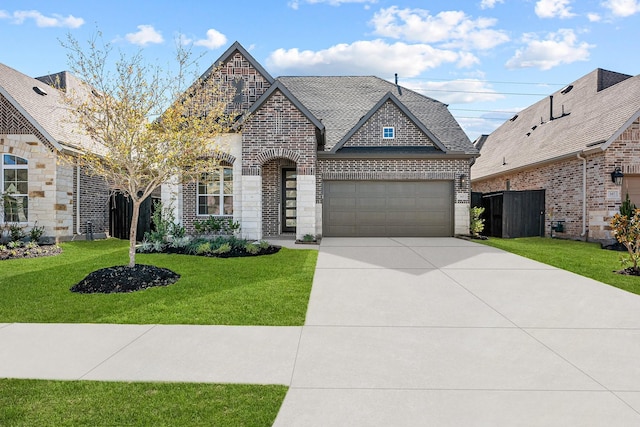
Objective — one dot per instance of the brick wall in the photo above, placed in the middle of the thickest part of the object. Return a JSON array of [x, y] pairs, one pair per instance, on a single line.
[[94, 203], [279, 127], [237, 68], [272, 194], [406, 132], [394, 169], [562, 181]]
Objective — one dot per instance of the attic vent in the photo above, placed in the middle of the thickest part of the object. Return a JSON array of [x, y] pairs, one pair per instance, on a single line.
[[513, 119], [566, 90], [39, 90]]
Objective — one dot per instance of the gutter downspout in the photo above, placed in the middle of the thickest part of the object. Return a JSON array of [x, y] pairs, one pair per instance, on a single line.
[[78, 200], [584, 194]]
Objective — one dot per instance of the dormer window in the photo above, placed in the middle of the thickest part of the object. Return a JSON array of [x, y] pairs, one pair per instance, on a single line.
[[388, 132]]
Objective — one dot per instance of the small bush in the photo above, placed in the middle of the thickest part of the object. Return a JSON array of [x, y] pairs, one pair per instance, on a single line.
[[626, 229], [223, 249], [252, 248], [16, 232], [145, 246], [203, 248], [477, 223], [36, 233]]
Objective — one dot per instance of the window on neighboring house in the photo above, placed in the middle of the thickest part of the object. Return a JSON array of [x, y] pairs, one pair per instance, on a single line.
[[388, 132], [15, 188], [215, 193]]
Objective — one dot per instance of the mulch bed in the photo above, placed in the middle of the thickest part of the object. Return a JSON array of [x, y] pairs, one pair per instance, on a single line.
[[629, 271], [123, 278], [23, 252]]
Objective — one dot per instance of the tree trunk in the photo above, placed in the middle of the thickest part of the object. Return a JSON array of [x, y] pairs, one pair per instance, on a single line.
[[132, 232]]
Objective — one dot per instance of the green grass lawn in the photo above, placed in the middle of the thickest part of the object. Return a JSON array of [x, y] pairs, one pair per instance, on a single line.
[[89, 403], [270, 290], [586, 259]]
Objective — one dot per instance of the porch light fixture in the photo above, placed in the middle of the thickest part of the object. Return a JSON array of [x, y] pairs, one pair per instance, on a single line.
[[463, 179], [616, 176]]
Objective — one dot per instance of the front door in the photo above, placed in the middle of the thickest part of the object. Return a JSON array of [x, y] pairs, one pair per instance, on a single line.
[[289, 212]]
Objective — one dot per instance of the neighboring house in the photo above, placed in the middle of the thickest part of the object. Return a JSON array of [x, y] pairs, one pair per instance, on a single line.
[[333, 156], [34, 131], [569, 144]]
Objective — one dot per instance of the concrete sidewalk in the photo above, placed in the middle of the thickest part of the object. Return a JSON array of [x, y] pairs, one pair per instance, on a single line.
[[399, 332]]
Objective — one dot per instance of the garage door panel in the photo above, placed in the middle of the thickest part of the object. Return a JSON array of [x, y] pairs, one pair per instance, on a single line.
[[388, 208]]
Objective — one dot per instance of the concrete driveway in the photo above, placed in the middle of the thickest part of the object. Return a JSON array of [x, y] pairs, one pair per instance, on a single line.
[[446, 332]]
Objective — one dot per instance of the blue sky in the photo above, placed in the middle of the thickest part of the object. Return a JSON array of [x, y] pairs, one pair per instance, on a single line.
[[485, 58]]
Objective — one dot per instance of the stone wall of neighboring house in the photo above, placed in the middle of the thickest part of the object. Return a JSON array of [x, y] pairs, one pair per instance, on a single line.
[[43, 207], [406, 132]]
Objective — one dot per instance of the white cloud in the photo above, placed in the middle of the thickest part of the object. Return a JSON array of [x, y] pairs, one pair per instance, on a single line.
[[295, 4], [455, 91], [363, 58], [20, 16], [554, 9], [146, 34], [558, 48], [489, 4], [594, 17], [214, 40], [623, 8], [451, 28]]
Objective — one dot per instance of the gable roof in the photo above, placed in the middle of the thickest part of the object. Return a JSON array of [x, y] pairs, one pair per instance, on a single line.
[[279, 86], [236, 46], [48, 114], [388, 97], [340, 102], [586, 115]]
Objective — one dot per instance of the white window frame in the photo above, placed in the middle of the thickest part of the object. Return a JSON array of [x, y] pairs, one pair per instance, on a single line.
[[388, 128], [15, 166], [221, 194]]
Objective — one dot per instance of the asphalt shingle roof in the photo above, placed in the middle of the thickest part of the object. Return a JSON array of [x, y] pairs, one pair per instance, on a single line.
[[592, 117], [340, 102], [49, 110]]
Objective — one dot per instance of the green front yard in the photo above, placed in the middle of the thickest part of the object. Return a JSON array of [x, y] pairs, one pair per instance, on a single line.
[[270, 290], [264, 290], [586, 259], [89, 403]]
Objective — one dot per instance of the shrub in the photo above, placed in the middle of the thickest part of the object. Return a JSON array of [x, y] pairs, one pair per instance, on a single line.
[[145, 246], [252, 248], [180, 242], [203, 248], [477, 223], [627, 208], [223, 249], [36, 233], [626, 229], [16, 232]]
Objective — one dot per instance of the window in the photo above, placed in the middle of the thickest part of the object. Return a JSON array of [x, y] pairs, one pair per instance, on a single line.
[[15, 188], [215, 193], [388, 133]]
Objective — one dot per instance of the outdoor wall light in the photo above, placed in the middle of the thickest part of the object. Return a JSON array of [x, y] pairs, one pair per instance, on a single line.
[[616, 176], [463, 179]]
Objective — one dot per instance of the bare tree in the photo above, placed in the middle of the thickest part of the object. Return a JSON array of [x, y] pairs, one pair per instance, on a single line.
[[146, 124]]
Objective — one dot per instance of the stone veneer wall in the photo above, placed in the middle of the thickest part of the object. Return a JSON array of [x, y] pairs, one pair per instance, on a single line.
[[406, 132]]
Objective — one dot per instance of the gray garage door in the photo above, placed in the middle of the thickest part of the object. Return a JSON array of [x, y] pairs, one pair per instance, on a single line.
[[388, 208]]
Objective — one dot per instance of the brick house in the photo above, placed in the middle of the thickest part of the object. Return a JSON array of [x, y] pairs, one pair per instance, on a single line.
[[569, 144], [332, 156], [34, 131]]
